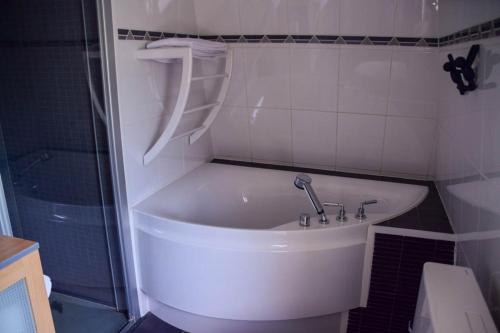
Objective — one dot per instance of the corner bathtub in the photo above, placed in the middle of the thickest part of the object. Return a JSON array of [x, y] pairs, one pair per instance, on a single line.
[[224, 242]]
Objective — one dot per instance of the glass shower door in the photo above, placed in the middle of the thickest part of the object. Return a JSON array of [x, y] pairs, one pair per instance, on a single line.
[[54, 151]]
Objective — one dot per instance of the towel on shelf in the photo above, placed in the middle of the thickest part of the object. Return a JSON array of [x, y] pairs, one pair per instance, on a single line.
[[201, 48]]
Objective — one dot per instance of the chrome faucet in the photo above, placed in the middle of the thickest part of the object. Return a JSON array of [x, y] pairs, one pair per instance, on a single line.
[[361, 210], [303, 182], [341, 216]]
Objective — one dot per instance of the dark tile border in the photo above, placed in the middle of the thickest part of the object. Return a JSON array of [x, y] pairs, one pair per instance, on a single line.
[[430, 215], [323, 172], [480, 31]]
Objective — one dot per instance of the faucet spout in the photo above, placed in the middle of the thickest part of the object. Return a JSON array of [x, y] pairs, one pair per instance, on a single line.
[[303, 182]]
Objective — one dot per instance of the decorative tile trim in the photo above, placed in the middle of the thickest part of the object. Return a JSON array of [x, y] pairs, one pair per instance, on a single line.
[[125, 34], [484, 30], [481, 31]]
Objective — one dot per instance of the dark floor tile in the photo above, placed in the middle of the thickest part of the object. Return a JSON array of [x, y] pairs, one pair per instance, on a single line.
[[152, 324]]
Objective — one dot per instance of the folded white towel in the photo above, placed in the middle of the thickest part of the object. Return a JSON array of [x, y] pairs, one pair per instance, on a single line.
[[201, 45], [202, 49]]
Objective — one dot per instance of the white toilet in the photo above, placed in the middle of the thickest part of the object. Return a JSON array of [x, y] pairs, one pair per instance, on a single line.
[[48, 284], [450, 301]]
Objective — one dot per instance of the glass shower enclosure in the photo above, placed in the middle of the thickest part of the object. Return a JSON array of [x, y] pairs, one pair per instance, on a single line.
[[54, 156]]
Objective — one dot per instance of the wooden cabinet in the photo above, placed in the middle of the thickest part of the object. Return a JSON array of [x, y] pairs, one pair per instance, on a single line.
[[23, 298]]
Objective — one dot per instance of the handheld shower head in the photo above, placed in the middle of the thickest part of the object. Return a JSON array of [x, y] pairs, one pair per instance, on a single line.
[[301, 180]]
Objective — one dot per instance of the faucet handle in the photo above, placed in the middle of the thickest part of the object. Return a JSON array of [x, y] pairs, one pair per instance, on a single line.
[[341, 216], [361, 210], [305, 220]]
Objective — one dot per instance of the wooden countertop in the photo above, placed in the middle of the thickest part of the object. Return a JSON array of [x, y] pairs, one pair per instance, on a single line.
[[12, 249]]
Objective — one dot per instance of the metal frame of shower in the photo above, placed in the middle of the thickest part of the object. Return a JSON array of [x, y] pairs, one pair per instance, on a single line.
[[106, 40]]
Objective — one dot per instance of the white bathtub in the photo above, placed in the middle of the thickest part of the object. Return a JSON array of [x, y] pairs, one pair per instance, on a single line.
[[224, 242]]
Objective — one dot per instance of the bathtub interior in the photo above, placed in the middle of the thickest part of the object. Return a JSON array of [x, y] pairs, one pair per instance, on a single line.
[[252, 198]]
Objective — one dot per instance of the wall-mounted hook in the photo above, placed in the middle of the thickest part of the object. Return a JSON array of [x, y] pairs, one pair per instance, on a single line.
[[461, 69]]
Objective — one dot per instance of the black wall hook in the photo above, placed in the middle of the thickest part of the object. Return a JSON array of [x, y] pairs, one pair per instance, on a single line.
[[461, 69]]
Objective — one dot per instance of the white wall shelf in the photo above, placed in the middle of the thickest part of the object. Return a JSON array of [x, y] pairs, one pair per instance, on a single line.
[[185, 55]]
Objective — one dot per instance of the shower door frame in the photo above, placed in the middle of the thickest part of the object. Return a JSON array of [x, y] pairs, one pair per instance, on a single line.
[[106, 40], [5, 226]]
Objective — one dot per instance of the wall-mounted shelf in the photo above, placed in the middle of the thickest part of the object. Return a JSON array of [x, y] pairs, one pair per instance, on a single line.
[[185, 55]]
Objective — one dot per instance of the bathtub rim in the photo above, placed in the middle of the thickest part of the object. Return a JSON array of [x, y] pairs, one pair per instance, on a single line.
[[316, 238], [351, 220]]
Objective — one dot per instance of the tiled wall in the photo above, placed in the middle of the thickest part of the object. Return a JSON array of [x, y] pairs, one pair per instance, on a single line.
[[323, 17], [455, 15], [155, 15], [357, 108], [145, 92], [468, 157]]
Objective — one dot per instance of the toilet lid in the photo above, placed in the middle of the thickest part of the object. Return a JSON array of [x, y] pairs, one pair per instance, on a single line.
[[455, 300]]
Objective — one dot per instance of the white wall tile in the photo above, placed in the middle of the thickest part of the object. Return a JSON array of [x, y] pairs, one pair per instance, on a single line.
[[359, 17], [263, 16], [416, 18], [408, 145], [186, 17], [237, 91], [491, 137], [163, 15], [270, 134], [461, 114], [140, 95], [143, 180], [155, 15], [217, 17], [359, 141], [466, 150], [268, 77], [489, 100], [231, 133], [455, 15], [320, 17], [198, 153], [314, 137], [414, 84], [141, 15], [146, 92], [364, 79], [314, 76]]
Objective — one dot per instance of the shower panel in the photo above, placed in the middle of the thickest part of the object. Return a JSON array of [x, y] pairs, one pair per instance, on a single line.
[[54, 152]]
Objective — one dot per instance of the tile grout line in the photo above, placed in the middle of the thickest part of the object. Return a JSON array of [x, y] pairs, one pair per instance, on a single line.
[[289, 79], [386, 112], [336, 148], [247, 108]]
